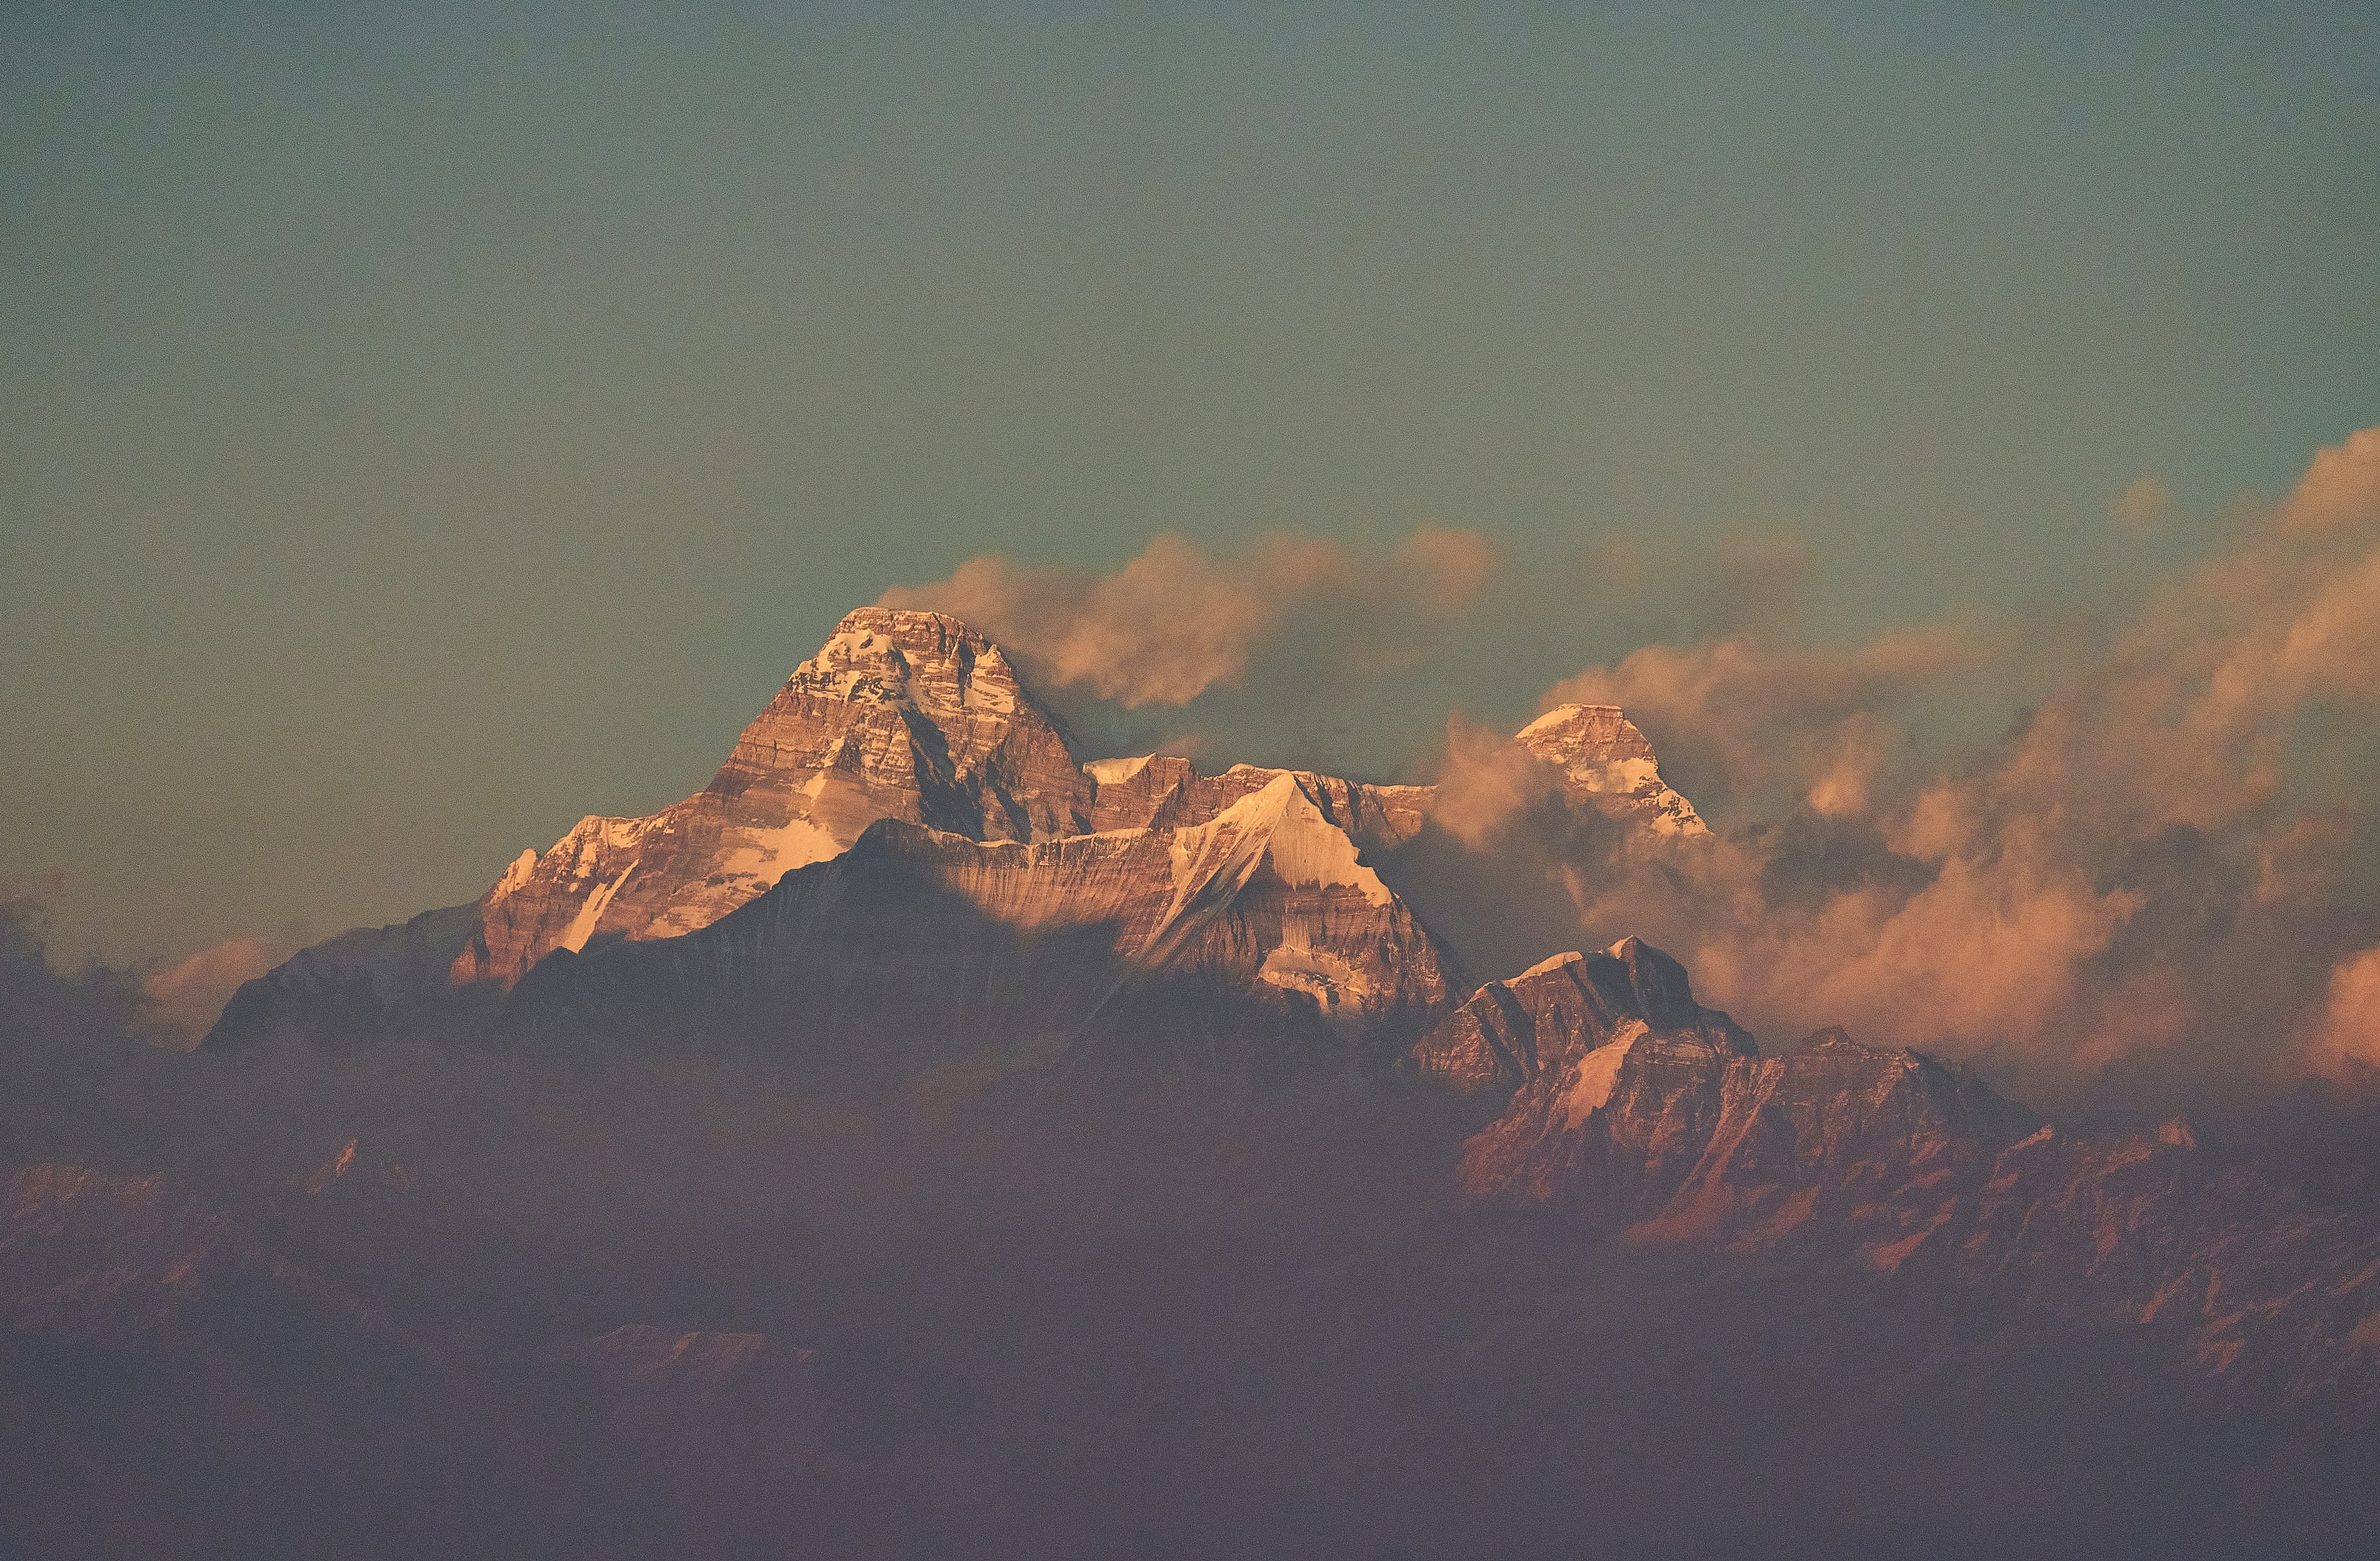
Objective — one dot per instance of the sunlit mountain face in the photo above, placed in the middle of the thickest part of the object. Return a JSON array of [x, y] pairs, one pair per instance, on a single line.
[[924, 1141], [1324, 784]]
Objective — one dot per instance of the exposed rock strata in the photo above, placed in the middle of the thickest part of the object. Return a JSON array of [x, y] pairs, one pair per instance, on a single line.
[[1512, 1032], [1211, 946], [1607, 764], [1901, 1164], [908, 717]]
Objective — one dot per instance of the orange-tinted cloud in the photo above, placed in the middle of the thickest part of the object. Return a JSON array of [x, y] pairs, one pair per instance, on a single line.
[[2350, 1016], [181, 1005], [2142, 868], [1175, 620]]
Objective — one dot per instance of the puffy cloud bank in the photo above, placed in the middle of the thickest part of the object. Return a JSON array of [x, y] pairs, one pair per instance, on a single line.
[[2164, 878], [1176, 619]]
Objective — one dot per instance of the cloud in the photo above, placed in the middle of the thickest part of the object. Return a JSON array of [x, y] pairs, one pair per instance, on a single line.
[[2351, 1019], [181, 1005], [2341, 488], [1487, 783], [1742, 714], [1176, 621], [2146, 874]]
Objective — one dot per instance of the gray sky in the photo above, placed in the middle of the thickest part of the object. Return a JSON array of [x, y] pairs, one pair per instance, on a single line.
[[422, 427]]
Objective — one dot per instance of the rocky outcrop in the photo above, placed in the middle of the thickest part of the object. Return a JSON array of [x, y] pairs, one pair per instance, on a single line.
[[913, 719], [1870, 1147], [1606, 765], [356, 988], [2249, 1280], [1904, 1165], [1511, 1034], [1620, 1079], [1257, 940]]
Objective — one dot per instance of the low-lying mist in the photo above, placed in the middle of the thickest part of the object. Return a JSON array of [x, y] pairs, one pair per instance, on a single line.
[[1168, 1319]]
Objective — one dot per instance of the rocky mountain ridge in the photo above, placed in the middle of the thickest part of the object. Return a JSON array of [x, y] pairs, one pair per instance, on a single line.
[[912, 718], [903, 870]]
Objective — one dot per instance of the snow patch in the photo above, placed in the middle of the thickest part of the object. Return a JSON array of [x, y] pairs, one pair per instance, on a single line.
[[1324, 976], [1307, 851], [516, 877], [1566, 715], [1544, 966], [1276, 823], [1107, 772], [771, 853], [1590, 1086], [582, 925]]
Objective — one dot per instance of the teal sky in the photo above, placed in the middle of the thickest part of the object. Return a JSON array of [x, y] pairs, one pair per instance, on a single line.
[[422, 427]]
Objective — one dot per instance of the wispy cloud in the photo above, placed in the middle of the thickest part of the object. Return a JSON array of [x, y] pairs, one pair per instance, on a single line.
[[1176, 619]]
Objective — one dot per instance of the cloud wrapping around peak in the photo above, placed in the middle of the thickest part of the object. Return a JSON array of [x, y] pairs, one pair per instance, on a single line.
[[2165, 876], [1742, 715], [1176, 621]]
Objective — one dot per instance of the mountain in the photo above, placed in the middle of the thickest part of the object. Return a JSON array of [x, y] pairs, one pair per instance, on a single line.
[[1647, 1118], [912, 732], [1257, 942], [994, 1153], [1607, 764]]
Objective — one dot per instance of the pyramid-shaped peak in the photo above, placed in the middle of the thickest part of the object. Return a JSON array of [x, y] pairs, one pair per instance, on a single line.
[[1585, 733], [904, 656], [1606, 761]]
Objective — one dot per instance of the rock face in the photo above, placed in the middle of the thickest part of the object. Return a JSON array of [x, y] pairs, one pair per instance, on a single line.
[[1617, 1076], [900, 715], [1607, 764], [1257, 939], [1536, 1025], [356, 988], [1902, 1164], [2249, 1280], [911, 718]]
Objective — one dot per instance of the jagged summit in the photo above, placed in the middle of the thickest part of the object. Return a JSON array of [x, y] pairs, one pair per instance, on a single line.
[[1606, 762], [919, 719], [901, 714], [1512, 1034], [928, 662]]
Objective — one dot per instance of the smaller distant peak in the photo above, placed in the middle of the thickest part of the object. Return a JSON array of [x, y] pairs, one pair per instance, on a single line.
[[1626, 948], [2176, 1133], [1596, 734]]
